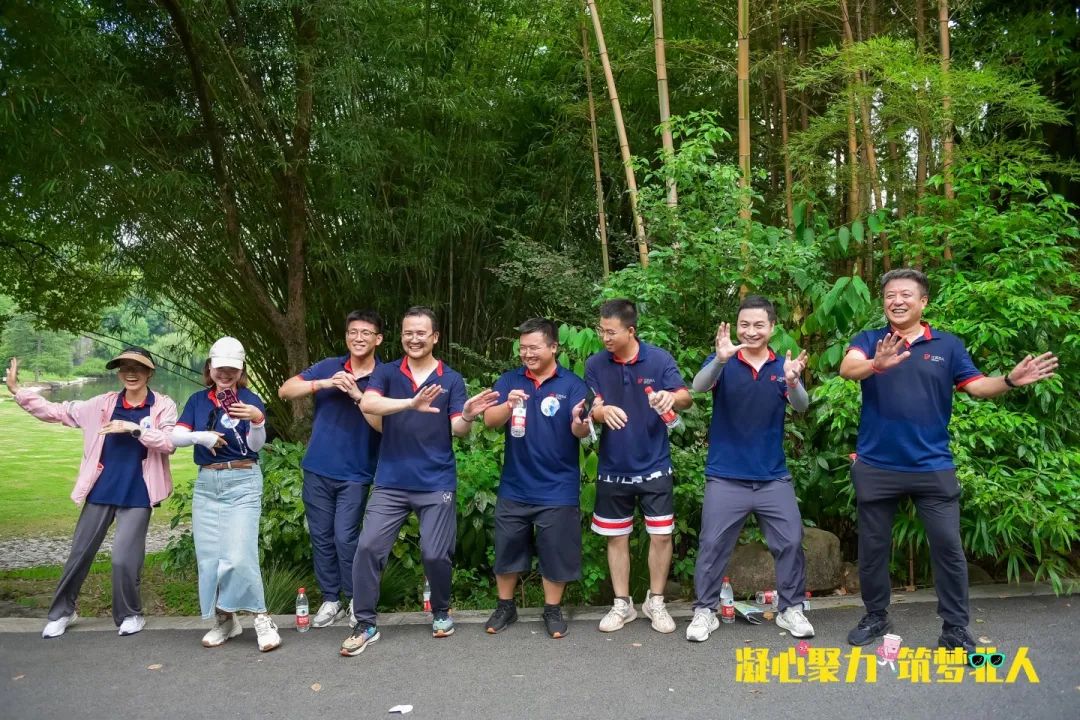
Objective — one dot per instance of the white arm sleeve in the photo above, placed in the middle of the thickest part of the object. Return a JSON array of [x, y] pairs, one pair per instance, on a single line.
[[256, 437], [182, 437]]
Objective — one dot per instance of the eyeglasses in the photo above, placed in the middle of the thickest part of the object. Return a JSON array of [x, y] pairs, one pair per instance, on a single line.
[[366, 334], [410, 335], [531, 348], [977, 660], [608, 333]]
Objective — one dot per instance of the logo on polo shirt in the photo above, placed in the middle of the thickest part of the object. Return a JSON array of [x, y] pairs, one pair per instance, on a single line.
[[146, 423], [549, 406], [772, 378], [933, 358], [646, 381]]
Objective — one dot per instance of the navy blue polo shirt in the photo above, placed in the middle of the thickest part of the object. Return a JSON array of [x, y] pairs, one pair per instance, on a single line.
[[542, 468], [641, 447], [417, 451], [342, 446], [121, 481], [203, 412], [906, 410], [746, 434]]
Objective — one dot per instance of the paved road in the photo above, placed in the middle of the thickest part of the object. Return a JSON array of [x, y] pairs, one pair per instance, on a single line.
[[635, 673]]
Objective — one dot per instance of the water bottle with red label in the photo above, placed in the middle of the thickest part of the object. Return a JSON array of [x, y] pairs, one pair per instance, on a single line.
[[427, 595], [670, 418], [517, 419], [727, 602], [303, 621]]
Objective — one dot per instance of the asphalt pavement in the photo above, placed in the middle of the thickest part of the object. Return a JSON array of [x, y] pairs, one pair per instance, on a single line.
[[522, 673]]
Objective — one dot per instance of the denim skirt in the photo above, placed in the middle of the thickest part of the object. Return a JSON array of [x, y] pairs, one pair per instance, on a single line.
[[225, 515]]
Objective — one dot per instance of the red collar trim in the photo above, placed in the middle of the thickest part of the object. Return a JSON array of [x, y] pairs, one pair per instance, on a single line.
[[407, 371], [744, 361], [129, 406], [348, 365], [926, 334], [631, 361], [213, 397], [537, 382]]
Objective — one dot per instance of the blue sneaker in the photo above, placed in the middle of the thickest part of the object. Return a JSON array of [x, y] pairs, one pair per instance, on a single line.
[[362, 636], [443, 625]]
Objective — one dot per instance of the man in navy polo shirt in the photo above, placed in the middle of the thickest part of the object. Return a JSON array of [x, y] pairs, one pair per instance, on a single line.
[[422, 403], [340, 461], [908, 372], [634, 457], [746, 471], [540, 486]]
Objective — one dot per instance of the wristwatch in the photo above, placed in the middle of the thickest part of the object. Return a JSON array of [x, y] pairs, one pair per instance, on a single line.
[[136, 433], [1009, 382]]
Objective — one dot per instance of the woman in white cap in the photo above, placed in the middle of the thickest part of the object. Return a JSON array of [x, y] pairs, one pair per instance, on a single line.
[[124, 473], [227, 423]]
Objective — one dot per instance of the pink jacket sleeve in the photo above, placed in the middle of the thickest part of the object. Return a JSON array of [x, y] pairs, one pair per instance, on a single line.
[[159, 439], [69, 413]]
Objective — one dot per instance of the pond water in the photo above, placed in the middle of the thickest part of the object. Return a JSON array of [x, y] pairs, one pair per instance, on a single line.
[[178, 388]]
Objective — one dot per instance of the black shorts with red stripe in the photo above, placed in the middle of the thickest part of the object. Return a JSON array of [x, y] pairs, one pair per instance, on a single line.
[[616, 497]]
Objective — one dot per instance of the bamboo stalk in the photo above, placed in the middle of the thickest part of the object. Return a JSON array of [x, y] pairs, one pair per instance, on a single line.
[[946, 108], [620, 129], [662, 94], [781, 90], [600, 214], [744, 106]]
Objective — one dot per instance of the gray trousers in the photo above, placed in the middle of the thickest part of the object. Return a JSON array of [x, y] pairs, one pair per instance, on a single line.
[[387, 511], [727, 504], [128, 553]]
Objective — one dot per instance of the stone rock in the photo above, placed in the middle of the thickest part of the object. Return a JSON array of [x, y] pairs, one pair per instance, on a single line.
[[751, 567], [978, 576], [849, 578]]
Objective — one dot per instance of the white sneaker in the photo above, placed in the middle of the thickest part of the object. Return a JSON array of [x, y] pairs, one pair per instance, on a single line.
[[267, 633], [132, 624], [226, 627], [352, 617], [655, 610], [620, 613], [56, 628], [795, 623], [329, 613], [702, 626]]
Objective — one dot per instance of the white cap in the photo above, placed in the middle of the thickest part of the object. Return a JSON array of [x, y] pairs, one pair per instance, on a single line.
[[227, 352]]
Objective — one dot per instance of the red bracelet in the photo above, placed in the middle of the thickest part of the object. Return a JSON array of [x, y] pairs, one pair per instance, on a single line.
[[875, 370], [313, 388]]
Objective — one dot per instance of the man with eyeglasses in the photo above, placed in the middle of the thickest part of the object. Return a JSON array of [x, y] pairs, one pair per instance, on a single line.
[[422, 405], [635, 383], [340, 461], [540, 486], [908, 373]]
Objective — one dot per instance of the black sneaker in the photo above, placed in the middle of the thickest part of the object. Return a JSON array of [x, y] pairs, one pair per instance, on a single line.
[[553, 621], [956, 637], [505, 613], [873, 625]]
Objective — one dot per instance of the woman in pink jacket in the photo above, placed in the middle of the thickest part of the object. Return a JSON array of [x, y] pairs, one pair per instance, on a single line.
[[124, 473]]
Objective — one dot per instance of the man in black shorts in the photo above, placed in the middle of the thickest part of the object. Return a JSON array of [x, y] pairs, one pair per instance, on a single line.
[[541, 480], [636, 384]]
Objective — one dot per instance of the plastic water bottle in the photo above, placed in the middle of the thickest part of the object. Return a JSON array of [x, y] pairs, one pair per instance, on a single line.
[[303, 622], [727, 602], [517, 419], [427, 595], [670, 418], [768, 597]]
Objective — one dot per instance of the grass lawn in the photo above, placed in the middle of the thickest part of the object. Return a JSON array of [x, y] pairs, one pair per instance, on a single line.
[[163, 593], [38, 465]]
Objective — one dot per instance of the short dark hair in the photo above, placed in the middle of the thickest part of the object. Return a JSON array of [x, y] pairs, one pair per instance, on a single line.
[[621, 309], [757, 302], [423, 311], [540, 325], [907, 274], [369, 316]]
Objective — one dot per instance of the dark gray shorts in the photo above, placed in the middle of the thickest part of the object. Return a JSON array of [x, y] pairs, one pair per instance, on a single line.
[[551, 532]]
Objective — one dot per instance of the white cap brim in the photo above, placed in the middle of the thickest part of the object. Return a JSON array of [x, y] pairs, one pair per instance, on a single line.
[[229, 362]]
